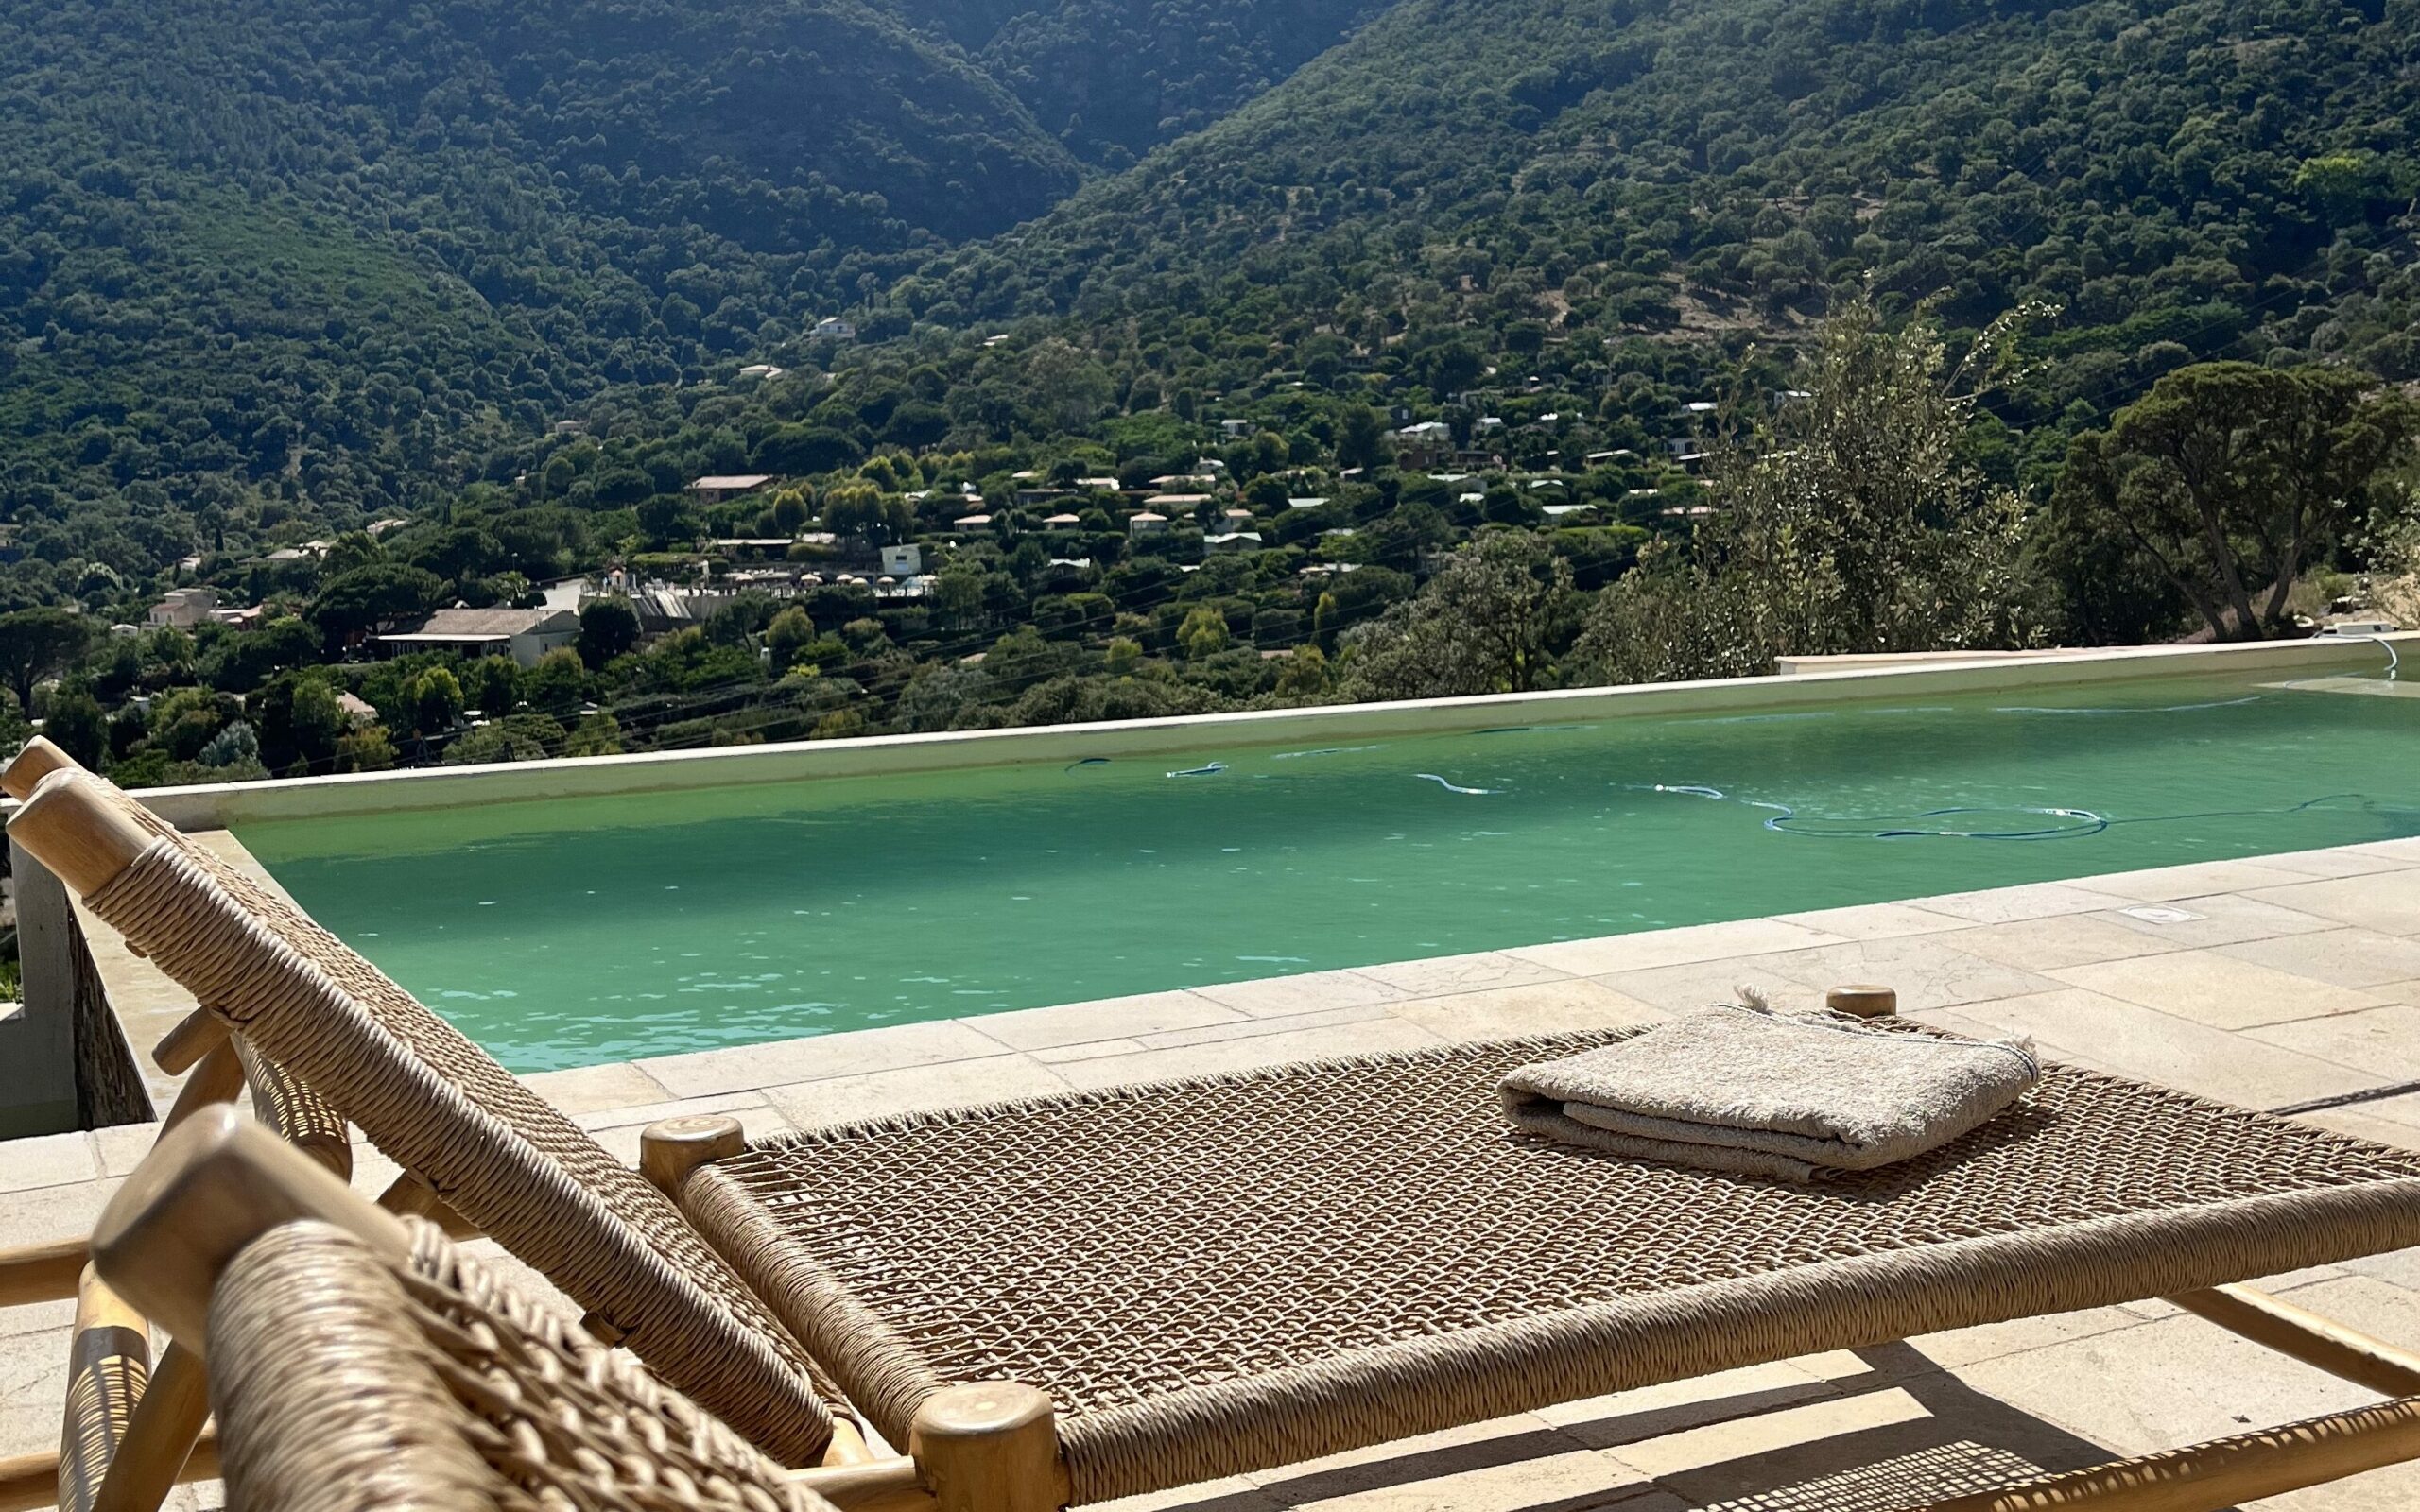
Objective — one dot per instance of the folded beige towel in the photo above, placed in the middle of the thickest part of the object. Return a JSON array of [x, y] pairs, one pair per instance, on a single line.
[[1747, 1090]]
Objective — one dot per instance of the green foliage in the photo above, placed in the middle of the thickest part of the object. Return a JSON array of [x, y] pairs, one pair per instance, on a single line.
[[607, 628], [1491, 621], [1848, 523], [74, 723], [2230, 480], [39, 643]]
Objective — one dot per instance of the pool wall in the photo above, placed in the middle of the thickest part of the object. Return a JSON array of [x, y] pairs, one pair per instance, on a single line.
[[218, 806]]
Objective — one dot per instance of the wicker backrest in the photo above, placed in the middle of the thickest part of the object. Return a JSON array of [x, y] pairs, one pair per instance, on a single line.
[[342, 1384], [441, 1108]]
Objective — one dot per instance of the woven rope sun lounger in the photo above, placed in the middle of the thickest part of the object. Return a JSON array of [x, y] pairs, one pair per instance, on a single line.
[[362, 1362], [311, 1014], [1197, 1280]]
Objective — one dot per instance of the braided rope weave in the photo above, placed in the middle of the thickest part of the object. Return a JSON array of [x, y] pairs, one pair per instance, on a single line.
[[1226, 1274], [342, 1385], [503, 1158]]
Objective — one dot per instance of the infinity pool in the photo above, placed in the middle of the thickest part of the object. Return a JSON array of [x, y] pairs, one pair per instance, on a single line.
[[572, 932]]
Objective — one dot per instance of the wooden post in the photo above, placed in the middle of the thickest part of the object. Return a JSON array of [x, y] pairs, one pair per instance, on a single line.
[[41, 1273], [195, 1035], [989, 1447], [109, 1364], [74, 827], [168, 1423], [40, 758], [878, 1485], [409, 1196], [2316, 1341], [214, 1084], [207, 1190], [1863, 1002], [670, 1148]]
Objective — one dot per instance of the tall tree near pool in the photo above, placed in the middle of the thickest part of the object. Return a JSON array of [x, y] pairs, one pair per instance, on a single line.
[[2233, 480], [1849, 521], [36, 643]]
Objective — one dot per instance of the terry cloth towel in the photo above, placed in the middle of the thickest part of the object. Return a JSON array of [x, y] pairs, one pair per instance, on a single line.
[[1747, 1090]]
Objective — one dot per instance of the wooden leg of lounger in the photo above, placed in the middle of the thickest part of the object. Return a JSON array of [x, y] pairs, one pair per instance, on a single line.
[[195, 1035], [989, 1447], [216, 1080], [109, 1365], [167, 1424], [31, 765], [876, 1485], [2308, 1337], [848, 1446], [41, 1273], [409, 1196]]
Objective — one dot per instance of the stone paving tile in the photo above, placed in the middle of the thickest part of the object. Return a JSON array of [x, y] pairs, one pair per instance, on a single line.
[[1741, 1455], [1465, 974], [1286, 997], [1929, 971], [122, 1148], [1679, 1406], [1255, 1028], [1088, 1050], [706, 1072], [1677, 988], [1674, 947], [2336, 862], [1512, 1012], [605, 1117], [2393, 1489], [2063, 939], [1501, 1465], [914, 1090], [1877, 921], [2223, 991], [2345, 957], [38, 1214], [2401, 992], [2198, 923], [1106, 1019], [2364, 1121], [49, 1161], [2005, 905], [2179, 1381], [2387, 902], [591, 1088], [2115, 1035], [2405, 852], [1375, 1037], [2199, 879], [2382, 1040]]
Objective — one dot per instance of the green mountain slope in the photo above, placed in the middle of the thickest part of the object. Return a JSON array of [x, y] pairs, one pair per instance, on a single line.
[[1113, 79], [337, 246], [2215, 175]]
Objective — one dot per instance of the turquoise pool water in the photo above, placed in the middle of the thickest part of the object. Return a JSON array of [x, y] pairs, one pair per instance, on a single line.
[[568, 932]]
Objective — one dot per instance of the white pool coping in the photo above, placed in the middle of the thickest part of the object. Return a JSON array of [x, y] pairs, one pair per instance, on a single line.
[[223, 805]]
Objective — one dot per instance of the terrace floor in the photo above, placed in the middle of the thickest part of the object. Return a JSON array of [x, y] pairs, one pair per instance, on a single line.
[[2288, 983]]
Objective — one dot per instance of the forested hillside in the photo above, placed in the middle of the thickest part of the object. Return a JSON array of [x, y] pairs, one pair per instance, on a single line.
[[338, 247], [1113, 79], [2217, 177]]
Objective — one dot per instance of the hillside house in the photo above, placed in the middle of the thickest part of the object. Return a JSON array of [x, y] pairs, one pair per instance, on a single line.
[[721, 487], [833, 327], [184, 608], [903, 562], [972, 524], [523, 634], [1148, 523], [1233, 541], [1424, 444]]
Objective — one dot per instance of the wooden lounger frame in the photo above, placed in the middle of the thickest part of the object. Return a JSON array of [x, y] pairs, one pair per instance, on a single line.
[[133, 1432]]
